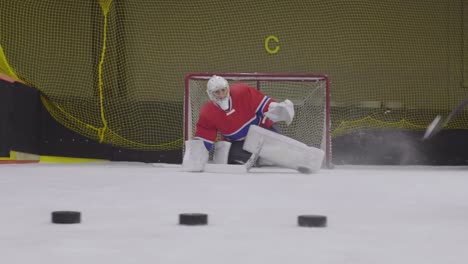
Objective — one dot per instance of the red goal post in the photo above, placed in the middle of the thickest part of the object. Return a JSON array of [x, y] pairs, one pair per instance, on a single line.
[[310, 94]]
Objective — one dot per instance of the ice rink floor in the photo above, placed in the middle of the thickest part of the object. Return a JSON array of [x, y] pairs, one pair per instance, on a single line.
[[376, 215]]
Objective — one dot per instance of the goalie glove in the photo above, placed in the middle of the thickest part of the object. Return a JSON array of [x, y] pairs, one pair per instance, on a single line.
[[283, 111]]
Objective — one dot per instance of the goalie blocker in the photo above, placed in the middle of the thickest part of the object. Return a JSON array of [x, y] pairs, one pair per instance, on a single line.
[[283, 151]]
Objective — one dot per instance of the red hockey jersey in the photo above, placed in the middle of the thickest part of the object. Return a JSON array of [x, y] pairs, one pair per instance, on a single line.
[[247, 106]]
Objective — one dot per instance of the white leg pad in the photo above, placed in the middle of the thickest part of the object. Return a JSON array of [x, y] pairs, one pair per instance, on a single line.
[[284, 151], [195, 156], [221, 152]]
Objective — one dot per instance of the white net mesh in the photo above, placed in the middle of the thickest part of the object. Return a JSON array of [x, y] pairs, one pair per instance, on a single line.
[[309, 93]]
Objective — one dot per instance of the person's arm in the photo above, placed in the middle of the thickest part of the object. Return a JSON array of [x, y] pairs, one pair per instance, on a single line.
[[267, 107], [260, 102]]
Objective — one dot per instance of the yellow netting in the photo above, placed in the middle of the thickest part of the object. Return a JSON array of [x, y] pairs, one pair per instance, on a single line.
[[114, 70]]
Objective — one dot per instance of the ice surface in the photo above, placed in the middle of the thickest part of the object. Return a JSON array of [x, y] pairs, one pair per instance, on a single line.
[[376, 215]]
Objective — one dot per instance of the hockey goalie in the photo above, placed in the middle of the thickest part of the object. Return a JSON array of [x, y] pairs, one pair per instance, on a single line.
[[246, 120]]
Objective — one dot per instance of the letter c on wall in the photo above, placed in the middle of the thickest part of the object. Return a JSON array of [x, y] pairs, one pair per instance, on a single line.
[[267, 44]]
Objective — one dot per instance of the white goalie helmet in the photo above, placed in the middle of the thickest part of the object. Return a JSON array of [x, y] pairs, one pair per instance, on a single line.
[[216, 83]]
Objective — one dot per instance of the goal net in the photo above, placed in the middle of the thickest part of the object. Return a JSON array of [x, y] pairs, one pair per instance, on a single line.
[[310, 94]]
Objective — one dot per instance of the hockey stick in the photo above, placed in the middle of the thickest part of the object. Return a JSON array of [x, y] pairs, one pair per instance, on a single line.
[[438, 123], [254, 157]]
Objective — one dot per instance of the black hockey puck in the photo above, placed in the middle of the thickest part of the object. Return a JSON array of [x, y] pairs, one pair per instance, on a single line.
[[193, 219], [312, 220], [66, 217], [304, 170]]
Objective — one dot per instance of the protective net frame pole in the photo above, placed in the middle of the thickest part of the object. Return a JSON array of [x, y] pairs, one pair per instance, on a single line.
[[311, 90]]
